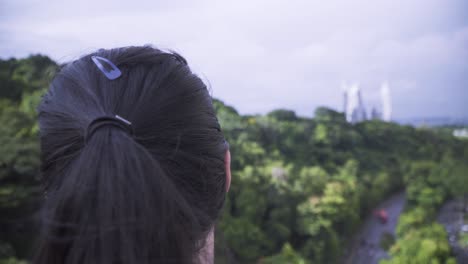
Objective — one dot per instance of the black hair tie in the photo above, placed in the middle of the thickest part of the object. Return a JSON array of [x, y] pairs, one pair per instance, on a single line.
[[116, 121]]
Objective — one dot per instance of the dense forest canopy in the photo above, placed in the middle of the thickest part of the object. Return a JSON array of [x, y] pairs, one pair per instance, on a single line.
[[300, 186]]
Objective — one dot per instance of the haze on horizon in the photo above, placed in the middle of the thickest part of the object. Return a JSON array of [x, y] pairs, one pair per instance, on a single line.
[[260, 55]]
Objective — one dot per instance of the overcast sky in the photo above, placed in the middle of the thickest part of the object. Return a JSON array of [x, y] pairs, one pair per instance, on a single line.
[[259, 55]]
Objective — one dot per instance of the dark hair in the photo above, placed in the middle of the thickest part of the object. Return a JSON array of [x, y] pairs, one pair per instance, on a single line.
[[150, 197]]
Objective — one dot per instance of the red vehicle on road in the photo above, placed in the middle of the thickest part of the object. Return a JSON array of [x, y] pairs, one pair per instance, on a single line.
[[382, 215]]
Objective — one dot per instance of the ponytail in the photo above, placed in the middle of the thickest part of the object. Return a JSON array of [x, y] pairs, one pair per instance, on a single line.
[[149, 193]]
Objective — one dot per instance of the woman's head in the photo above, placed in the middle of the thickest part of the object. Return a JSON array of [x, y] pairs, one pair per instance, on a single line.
[[145, 192]]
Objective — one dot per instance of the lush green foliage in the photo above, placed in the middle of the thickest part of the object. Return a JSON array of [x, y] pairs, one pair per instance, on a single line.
[[300, 185], [21, 84], [463, 240], [428, 184]]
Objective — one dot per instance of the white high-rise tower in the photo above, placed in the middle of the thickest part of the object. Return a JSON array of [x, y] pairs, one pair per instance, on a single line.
[[353, 104], [386, 102], [344, 87]]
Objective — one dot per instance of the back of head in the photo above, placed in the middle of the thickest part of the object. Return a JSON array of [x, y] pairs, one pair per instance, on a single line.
[[149, 195]]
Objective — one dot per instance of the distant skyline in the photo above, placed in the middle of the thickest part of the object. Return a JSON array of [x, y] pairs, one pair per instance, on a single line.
[[260, 55]]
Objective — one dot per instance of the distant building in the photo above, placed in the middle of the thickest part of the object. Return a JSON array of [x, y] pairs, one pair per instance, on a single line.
[[462, 133], [386, 102], [354, 109], [354, 106], [375, 114]]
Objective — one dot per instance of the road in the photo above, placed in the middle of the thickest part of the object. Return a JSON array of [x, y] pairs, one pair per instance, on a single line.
[[452, 215], [366, 249]]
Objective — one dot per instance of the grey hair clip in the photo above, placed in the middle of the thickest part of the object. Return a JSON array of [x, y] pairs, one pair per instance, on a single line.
[[107, 67]]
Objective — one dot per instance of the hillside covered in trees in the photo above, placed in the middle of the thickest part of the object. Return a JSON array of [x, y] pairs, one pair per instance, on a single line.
[[300, 186]]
